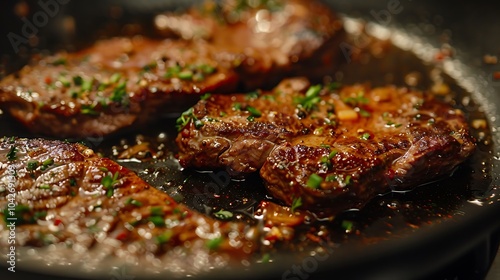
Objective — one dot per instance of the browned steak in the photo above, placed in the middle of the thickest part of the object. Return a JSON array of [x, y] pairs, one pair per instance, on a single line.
[[112, 85], [330, 148], [121, 83], [274, 39], [61, 193]]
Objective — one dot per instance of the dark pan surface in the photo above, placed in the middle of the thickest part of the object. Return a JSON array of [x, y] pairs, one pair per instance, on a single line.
[[397, 235]]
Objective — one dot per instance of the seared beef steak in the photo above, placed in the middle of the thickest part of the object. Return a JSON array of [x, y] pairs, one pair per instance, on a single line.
[[62, 193], [275, 39], [112, 85], [121, 83], [330, 148]]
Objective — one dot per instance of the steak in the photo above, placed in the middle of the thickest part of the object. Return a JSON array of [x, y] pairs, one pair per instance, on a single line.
[[113, 85], [327, 147], [123, 83], [274, 39], [62, 193]]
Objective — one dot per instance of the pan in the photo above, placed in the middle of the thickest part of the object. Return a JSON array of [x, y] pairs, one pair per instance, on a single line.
[[443, 230]]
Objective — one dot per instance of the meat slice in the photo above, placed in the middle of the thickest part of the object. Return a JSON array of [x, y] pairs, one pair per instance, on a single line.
[[113, 85], [125, 82], [329, 147], [62, 193], [274, 39]]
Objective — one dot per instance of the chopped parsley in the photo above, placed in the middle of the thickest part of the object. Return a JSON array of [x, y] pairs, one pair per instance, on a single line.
[[119, 94], [59, 61], [109, 182], [311, 98], [205, 96], [254, 112], [47, 163], [365, 136], [314, 181], [89, 110], [214, 244], [156, 211], [186, 117], [190, 72], [252, 95], [131, 201], [360, 99], [296, 203], [347, 225], [12, 154], [164, 237], [223, 214], [158, 221], [32, 165]]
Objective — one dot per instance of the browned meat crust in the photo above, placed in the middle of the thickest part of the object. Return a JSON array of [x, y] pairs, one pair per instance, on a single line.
[[112, 85], [121, 83], [57, 192], [274, 39], [332, 148]]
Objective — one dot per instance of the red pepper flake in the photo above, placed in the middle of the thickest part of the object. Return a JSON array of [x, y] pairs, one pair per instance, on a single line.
[[48, 80], [57, 222], [122, 236], [496, 75]]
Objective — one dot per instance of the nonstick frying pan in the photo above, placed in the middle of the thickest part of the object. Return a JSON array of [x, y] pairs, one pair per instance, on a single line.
[[458, 232]]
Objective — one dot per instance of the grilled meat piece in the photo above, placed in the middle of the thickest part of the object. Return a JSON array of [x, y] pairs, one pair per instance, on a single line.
[[57, 192], [332, 148], [274, 39], [121, 83], [112, 85]]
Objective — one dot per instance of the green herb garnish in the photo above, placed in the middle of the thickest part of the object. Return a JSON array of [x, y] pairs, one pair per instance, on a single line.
[[360, 99], [365, 136], [164, 237], [254, 112], [157, 221], [131, 201], [108, 182], [314, 181], [222, 214], [12, 154], [32, 165], [311, 99], [214, 244], [296, 203]]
